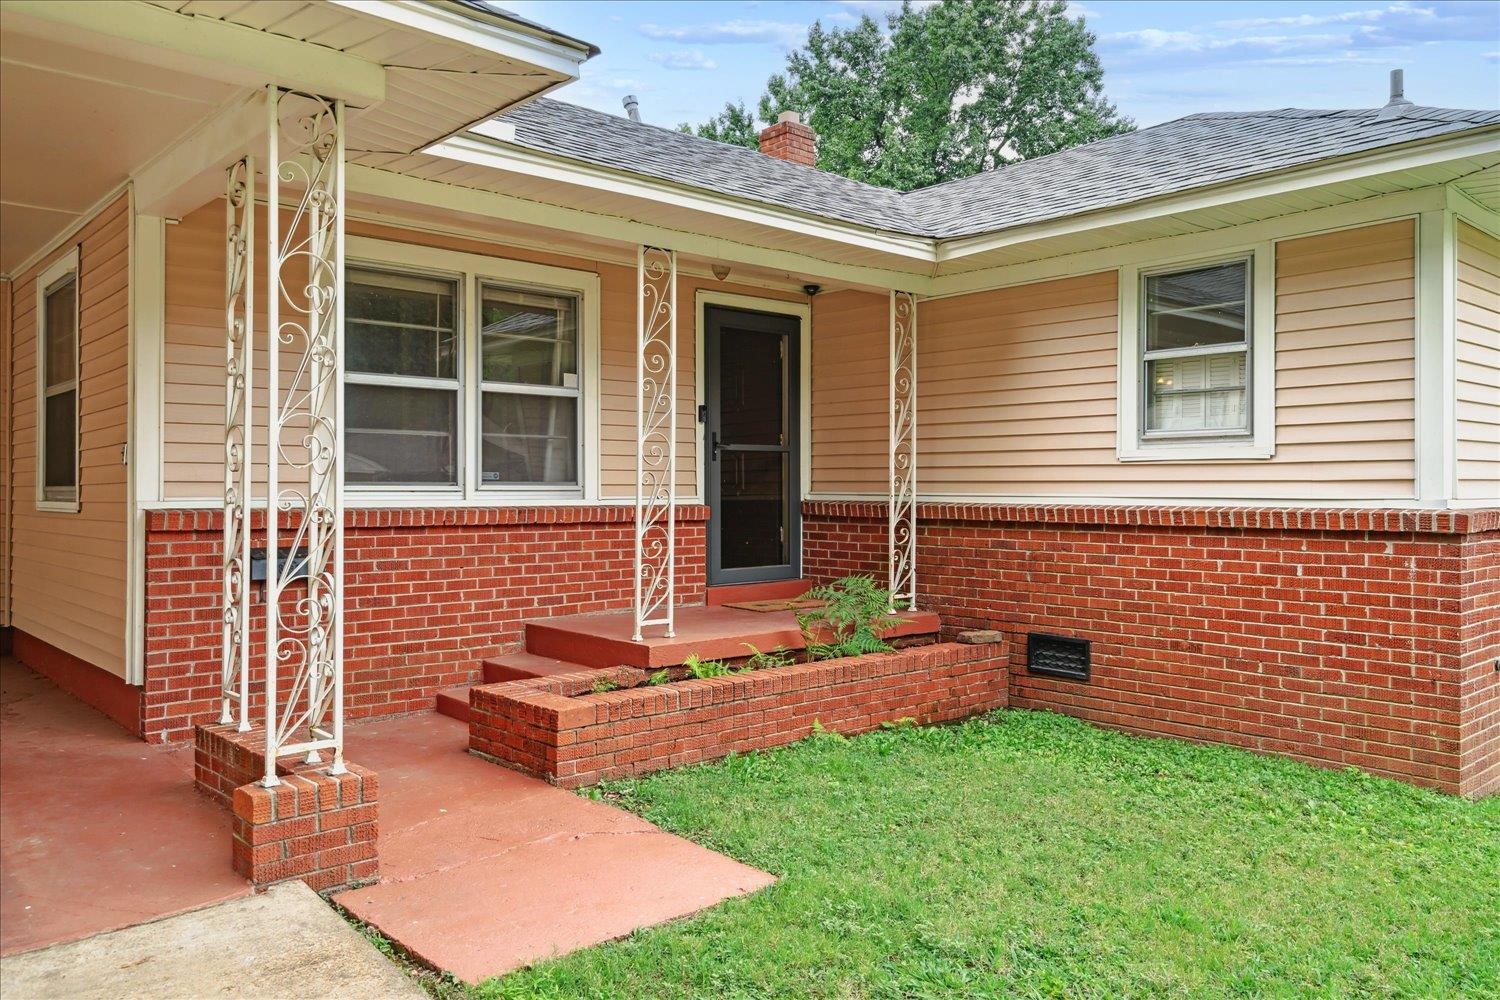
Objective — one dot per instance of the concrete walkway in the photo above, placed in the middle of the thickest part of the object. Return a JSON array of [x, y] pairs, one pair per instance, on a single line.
[[484, 870], [282, 943], [98, 830]]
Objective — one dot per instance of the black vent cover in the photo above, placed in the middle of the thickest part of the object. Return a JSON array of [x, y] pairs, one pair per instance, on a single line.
[[1057, 656]]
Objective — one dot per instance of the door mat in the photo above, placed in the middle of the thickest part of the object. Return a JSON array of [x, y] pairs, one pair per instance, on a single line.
[[779, 604]]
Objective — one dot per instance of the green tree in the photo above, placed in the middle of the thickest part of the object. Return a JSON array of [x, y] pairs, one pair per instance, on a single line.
[[944, 92], [735, 125]]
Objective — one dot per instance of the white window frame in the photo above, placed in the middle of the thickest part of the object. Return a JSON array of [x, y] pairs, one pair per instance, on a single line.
[[1132, 443], [474, 270], [58, 500], [526, 389], [454, 385]]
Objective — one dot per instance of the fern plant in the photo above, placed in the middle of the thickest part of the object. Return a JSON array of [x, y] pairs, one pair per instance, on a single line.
[[698, 668], [603, 686], [661, 676], [852, 620]]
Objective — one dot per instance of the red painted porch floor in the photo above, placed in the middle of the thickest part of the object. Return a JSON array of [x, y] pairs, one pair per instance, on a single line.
[[98, 830], [483, 870]]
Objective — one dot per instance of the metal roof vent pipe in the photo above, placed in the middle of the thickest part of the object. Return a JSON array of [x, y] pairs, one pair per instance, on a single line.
[[1398, 103], [633, 107]]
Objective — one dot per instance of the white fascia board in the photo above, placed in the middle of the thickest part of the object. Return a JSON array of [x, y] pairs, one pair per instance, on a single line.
[[190, 171], [485, 147], [203, 46], [418, 191], [488, 36], [1478, 142]]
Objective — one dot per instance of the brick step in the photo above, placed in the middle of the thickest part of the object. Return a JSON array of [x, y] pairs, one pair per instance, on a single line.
[[454, 703], [521, 665]]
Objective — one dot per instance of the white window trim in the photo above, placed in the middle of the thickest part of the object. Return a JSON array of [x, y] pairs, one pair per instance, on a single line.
[[1131, 445], [473, 270], [58, 271]]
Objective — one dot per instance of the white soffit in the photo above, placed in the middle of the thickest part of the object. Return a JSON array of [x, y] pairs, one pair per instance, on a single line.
[[92, 93]]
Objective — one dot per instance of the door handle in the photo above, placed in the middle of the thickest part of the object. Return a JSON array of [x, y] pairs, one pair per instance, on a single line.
[[713, 439]]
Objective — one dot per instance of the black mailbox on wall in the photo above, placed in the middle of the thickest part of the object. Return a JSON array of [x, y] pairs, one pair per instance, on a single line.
[[288, 567]]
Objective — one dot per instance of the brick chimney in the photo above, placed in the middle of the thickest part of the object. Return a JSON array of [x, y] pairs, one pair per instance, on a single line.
[[790, 140]]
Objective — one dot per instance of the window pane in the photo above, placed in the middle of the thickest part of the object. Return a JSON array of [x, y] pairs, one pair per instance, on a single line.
[[752, 376], [397, 434], [752, 494], [1196, 308], [400, 324], [529, 338], [530, 439], [61, 461], [62, 330], [1197, 394]]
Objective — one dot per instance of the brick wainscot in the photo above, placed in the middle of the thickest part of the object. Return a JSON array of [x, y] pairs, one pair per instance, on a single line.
[[555, 728], [1339, 637], [429, 594]]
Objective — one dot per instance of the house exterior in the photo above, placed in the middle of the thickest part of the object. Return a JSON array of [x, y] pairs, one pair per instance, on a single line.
[[1220, 397]]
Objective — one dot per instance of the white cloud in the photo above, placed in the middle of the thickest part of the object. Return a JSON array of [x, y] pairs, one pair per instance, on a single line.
[[728, 32], [692, 59], [1315, 20]]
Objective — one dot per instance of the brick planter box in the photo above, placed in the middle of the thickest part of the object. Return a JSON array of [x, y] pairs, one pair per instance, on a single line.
[[554, 728]]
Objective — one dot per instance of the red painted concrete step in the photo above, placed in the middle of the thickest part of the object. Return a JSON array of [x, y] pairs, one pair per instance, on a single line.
[[710, 633], [454, 703], [735, 593], [521, 665]]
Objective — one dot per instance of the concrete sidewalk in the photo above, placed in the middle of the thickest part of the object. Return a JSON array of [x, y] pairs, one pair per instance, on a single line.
[[282, 943]]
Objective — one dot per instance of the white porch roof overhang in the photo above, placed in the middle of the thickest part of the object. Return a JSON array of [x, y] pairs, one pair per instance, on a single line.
[[164, 95]]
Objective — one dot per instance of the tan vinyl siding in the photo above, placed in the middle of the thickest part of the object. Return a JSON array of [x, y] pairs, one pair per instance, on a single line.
[[1017, 386], [1477, 393], [5, 469], [851, 392], [68, 569], [193, 393]]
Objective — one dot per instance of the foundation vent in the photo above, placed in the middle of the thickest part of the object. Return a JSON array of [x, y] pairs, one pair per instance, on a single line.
[[1057, 656]]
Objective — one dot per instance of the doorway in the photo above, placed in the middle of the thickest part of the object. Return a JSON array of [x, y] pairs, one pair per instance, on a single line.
[[751, 445]]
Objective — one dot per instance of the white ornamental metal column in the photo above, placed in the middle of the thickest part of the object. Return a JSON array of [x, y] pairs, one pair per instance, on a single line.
[[902, 535], [239, 313], [656, 440], [305, 325]]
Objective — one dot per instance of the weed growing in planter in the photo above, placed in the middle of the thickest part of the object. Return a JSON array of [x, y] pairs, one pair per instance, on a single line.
[[778, 657], [602, 686], [661, 676], [853, 617]]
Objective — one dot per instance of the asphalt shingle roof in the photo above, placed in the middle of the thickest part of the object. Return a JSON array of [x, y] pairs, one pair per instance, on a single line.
[[1197, 151]]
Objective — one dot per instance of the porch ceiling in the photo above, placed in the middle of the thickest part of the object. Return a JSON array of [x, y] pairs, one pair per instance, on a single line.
[[93, 94]]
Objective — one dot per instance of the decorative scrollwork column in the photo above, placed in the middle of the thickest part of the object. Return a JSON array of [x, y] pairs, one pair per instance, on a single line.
[[239, 312], [656, 439], [304, 600], [902, 537]]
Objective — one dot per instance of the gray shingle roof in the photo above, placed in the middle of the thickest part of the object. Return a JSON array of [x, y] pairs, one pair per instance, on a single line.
[[1197, 151]]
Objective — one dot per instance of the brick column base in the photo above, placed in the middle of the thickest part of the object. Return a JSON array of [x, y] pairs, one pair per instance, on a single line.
[[314, 826]]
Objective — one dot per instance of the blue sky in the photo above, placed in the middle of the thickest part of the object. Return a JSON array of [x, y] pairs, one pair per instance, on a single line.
[[1162, 60]]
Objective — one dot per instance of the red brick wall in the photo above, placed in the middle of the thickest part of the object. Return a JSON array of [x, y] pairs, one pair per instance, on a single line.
[[554, 729], [1479, 708], [1337, 637], [429, 594]]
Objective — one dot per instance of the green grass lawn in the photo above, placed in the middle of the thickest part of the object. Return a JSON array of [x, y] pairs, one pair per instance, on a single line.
[[1027, 854]]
